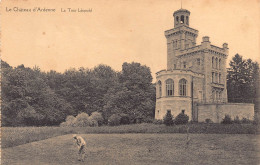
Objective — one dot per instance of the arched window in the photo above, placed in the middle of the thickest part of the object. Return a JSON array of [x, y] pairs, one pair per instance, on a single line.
[[160, 88], [169, 87], [187, 20], [213, 62], [184, 65], [177, 20], [183, 87], [182, 19], [216, 63]]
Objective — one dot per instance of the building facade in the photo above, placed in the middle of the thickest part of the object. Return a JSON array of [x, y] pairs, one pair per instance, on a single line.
[[195, 74]]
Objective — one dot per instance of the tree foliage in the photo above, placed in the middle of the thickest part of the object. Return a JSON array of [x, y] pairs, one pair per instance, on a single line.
[[35, 98], [168, 119], [242, 80]]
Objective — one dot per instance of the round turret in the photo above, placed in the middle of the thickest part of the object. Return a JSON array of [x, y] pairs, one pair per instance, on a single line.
[[181, 17]]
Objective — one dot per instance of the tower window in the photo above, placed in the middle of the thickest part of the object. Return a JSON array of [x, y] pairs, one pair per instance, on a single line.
[[182, 87], [174, 66], [216, 77], [219, 63], [184, 65], [187, 20], [219, 80], [182, 19], [198, 61], [177, 20], [169, 87], [212, 78]]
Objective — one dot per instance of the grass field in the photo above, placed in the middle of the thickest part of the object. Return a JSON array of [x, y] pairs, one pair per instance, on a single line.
[[13, 136], [143, 149]]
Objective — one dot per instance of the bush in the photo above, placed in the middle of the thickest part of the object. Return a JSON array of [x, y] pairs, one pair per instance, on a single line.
[[208, 121], [157, 121], [96, 119], [93, 123], [237, 120], [124, 119], [69, 122], [181, 118], [114, 120], [82, 120], [227, 120], [246, 121], [168, 119]]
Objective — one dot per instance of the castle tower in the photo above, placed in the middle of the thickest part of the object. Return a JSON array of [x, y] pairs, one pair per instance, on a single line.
[[179, 38]]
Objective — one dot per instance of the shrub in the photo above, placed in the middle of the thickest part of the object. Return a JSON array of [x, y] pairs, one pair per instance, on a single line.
[[168, 119], [237, 120], [93, 123], [208, 121], [96, 119], [246, 121], [124, 119], [181, 118], [114, 120], [148, 120], [69, 122], [82, 120], [157, 121], [227, 120]]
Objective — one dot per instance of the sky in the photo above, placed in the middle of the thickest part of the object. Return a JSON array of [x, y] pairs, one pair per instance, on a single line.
[[118, 31]]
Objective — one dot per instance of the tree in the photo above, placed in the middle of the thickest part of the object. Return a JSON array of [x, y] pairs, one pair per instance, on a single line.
[[168, 119], [28, 100], [242, 79], [133, 95]]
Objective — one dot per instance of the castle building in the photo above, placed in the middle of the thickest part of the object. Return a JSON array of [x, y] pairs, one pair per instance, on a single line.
[[194, 82]]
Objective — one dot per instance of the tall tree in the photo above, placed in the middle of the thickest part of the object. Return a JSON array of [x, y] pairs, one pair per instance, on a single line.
[[242, 79], [134, 95]]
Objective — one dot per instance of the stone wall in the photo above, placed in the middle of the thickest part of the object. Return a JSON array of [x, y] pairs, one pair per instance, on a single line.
[[216, 112], [174, 104]]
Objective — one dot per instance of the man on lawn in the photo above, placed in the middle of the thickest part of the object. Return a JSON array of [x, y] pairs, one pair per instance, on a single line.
[[81, 146]]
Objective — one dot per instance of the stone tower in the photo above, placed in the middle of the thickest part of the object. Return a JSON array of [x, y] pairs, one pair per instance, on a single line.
[[179, 38]]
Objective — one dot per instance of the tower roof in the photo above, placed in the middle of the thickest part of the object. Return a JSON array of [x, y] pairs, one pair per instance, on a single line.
[[181, 10]]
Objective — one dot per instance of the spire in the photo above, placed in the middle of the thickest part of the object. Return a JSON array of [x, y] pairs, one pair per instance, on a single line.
[[181, 4]]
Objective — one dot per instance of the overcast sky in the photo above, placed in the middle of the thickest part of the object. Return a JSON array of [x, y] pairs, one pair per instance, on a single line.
[[118, 31]]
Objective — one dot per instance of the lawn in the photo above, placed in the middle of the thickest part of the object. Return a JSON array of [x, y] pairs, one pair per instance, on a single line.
[[143, 149], [13, 136]]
